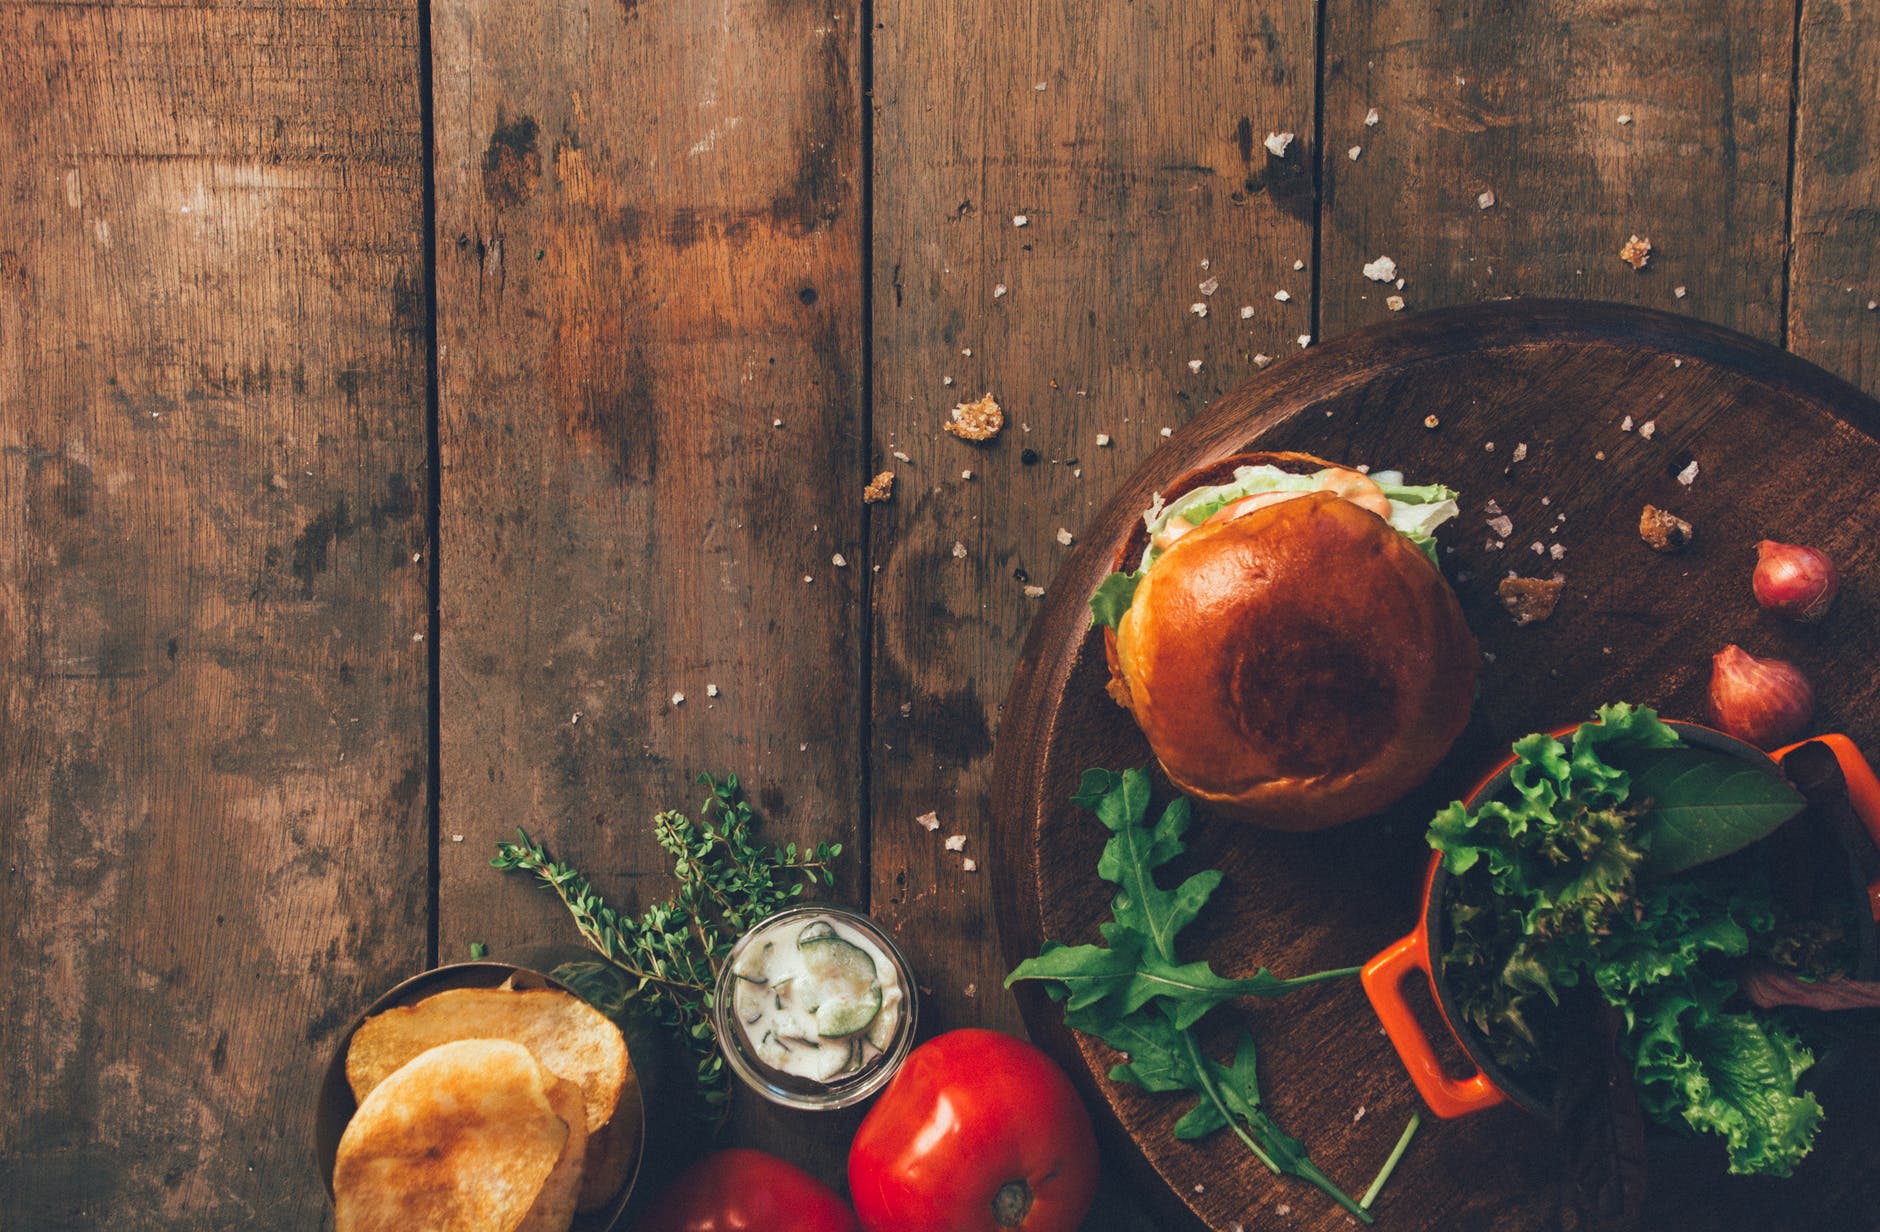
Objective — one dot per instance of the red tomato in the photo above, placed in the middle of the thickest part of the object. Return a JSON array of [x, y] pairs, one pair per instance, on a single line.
[[979, 1132], [741, 1190]]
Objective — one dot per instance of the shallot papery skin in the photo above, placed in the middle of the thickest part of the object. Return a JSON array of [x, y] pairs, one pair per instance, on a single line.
[[1769, 987], [1794, 582], [1767, 702]]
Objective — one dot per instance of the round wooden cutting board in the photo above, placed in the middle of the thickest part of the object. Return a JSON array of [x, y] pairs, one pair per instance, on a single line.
[[1569, 417]]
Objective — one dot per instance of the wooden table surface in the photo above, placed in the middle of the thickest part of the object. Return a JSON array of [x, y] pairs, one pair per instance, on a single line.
[[401, 405]]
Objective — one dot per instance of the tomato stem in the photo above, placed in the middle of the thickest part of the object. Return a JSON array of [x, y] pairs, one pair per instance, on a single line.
[[1012, 1203]]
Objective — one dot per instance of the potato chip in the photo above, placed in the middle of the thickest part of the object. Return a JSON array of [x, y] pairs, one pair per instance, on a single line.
[[567, 1035], [555, 1205], [464, 1138]]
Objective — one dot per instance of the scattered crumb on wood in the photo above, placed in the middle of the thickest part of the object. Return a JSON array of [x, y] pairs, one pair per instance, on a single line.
[[1485, 199], [1261, 361], [1529, 599], [1394, 302], [1637, 252], [1664, 531], [1381, 270], [1277, 143], [1688, 475], [678, 699], [1431, 422], [1370, 118], [1210, 286], [1065, 537], [969, 865], [1034, 592], [879, 489], [959, 550], [956, 842], [979, 420], [929, 821]]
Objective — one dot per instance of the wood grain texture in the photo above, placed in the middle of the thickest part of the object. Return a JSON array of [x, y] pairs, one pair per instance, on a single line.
[[1834, 274], [212, 709], [1525, 101], [649, 252], [1631, 625], [1131, 140]]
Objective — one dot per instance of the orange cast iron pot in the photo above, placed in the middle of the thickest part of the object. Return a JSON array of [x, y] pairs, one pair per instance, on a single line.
[[1488, 1085]]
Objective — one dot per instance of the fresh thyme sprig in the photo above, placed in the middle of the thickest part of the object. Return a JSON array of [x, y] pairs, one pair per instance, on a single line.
[[667, 958]]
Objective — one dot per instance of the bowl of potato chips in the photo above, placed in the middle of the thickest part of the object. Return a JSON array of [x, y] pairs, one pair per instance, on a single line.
[[481, 1095]]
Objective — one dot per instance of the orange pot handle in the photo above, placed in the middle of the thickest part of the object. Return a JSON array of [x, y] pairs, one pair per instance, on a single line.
[[1863, 791], [1383, 979]]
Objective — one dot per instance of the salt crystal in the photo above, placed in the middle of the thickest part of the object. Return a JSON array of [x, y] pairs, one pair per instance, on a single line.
[[1034, 592], [1246, 311], [1276, 143], [1261, 361], [1282, 296], [1370, 117], [1194, 365], [1381, 270], [1020, 220], [1210, 286], [959, 550], [711, 690], [928, 821], [1520, 452], [1394, 302], [678, 699], [1103, 440], [1065, 537], [1305, 340], [998, 291], [1647, 428], [1502, 526], [776, 423], [1688, 475], [1485, 199], [956, 842], [969, 865], [1353, 152], [839, 561]]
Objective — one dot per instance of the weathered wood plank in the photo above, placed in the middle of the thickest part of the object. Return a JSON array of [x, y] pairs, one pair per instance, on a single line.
[[1589, 123], [1131, 140], [1834, 275], [212, 708], [649, 255]]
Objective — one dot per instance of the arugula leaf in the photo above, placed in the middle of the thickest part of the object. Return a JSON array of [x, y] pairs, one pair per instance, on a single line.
[[1113, 597], [1701, 806], [1135, 995]]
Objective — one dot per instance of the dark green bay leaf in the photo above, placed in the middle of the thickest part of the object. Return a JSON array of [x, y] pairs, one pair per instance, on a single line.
[[1704, 805]]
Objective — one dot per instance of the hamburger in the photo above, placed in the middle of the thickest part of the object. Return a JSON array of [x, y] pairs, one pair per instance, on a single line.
[[1280, 629]]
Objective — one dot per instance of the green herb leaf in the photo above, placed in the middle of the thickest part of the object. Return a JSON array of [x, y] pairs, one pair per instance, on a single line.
[[1701, 806], [1113, 597], [1136, 996]]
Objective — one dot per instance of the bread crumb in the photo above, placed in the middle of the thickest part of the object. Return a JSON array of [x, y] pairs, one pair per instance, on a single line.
[[1261, 361], [1246, 312], [807, 579], [1282, 295], [967, 352], [711, 690], [959, 550], [1305, 340], [1678, 291], [956, 842], [976, 421], [1624, 118], [1103, 440], [1381, 270], [1210, 286], [1625, 425], [1394, 302], [1520, 452], [1370, 120], [1019, 220], [1034, 592], [776, 423], [971, 989], [1431, 422], [1556, 550], [1353, 152], [839, 561], [966, 474], [1636, 252], [1529, 600], [1168, 432], [678, 699], [928, 821], [1688, 475], [1646, 429], [1503, 526], [998, 292], [1358, 1115], [1485, 199], [1198, 308], [969, 865], [1276, 143], [1065, 537], [1194, 365]]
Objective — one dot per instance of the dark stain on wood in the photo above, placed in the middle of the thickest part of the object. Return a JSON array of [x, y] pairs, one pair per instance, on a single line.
[[512, 166]]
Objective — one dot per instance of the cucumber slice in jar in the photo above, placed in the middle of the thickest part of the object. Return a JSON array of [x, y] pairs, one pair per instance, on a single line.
[[839, 1017], [838, 967], [751, 1001], [881, 1030], [817, 930], [754, 963]]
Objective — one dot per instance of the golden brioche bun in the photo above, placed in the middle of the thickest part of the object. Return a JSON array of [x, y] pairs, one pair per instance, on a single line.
[[1297, 667]]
